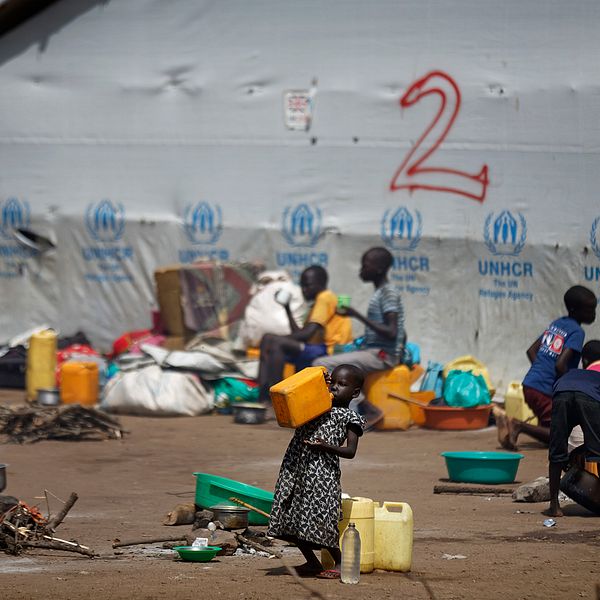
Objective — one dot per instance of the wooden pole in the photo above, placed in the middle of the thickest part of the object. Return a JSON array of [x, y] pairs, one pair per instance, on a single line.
[[472, 489]]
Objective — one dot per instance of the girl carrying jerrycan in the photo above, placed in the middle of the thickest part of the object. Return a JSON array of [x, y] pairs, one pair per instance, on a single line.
[[306, 507]]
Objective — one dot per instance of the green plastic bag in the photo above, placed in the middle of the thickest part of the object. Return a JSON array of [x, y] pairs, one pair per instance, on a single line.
[[230, 390], [463, 389]]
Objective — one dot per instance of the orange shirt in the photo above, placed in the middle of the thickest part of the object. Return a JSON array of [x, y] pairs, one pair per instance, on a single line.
[[337, 329]]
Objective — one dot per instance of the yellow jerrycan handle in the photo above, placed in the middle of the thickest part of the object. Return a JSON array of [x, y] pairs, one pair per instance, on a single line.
[[398, 507]]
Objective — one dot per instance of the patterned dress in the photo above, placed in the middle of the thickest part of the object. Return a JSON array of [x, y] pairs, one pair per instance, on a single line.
[[308, 490]]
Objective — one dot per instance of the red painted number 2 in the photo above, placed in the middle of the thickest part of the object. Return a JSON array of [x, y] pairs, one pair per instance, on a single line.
[[413, 174]]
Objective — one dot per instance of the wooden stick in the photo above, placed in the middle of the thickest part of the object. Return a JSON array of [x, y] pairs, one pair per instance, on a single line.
[[53, 544], [117, 543], [409, 400], [474, 490], [58, 519], [258, 510], [243, 540]]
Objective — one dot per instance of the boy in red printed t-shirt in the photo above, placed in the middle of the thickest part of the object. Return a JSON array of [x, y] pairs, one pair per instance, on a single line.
[[554, 353]]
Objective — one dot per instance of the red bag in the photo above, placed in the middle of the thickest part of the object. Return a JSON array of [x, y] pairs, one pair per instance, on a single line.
[[125, 342]]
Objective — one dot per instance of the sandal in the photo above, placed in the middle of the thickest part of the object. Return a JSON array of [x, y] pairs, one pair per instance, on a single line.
[[328, 574]]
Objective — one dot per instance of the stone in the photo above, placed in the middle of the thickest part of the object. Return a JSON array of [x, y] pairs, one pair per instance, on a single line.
[[537, 490], [203, 518]]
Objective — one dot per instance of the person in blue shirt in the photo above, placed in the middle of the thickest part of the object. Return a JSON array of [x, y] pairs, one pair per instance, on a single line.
[[554, 353], [576, 401]]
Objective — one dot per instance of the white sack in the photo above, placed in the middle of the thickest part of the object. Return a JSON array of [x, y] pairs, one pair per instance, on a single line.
[[199, 361], [264, 314], [154, 392]]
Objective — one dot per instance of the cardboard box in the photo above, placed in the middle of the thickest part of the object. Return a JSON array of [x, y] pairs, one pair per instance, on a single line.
[[174, 342], [168, 294]]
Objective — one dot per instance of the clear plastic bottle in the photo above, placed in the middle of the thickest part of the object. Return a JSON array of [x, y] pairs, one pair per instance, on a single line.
[[350, 555]]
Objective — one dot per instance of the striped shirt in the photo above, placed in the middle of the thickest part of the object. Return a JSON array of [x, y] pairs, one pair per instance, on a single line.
[[386, 299]]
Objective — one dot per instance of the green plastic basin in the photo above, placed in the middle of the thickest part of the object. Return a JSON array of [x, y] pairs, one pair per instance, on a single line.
[[212, 489], [482, 467], [191, 554]]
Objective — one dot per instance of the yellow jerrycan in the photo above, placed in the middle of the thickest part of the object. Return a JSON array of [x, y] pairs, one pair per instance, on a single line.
[[79, 383], [515, 405], [301, 398], [359, 511], [379, 385], [393, 529], [41, 362]]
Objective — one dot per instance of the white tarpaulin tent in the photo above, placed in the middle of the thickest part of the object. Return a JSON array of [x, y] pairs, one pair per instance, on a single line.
[[462, 135]]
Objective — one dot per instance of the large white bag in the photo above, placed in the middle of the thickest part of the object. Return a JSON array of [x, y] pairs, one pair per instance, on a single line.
[[264, 314], [154, 392]]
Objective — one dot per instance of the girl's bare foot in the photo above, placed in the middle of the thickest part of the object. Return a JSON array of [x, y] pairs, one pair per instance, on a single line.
[[308, 570], [553, 511]]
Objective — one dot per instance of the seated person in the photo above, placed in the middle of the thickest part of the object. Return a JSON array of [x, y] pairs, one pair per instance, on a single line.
[[576, 401], [322, 330], [385, 337]]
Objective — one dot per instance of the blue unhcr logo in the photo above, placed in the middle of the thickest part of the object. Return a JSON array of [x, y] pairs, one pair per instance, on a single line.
[[504, 235], [301, 225], [14, 215], [595, 236], [400, 229], [202, 223], [105, 221]]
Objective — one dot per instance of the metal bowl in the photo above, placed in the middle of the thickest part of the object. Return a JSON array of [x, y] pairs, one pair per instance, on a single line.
[[231, 517], [48, 396], [249, 413]]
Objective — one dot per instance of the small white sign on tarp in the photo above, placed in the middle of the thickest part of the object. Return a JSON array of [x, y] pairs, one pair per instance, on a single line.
[[297, 109]]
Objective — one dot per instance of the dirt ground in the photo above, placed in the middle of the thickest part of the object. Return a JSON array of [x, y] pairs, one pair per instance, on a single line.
[[126, 487]]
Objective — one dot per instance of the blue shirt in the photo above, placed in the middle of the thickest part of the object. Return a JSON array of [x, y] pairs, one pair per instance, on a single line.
[[386, 299], [580, 380], [562, 333]]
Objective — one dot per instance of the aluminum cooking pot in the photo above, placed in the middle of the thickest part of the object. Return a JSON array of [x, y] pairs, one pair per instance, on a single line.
[[249, 413], [232, 517], [48, 396]]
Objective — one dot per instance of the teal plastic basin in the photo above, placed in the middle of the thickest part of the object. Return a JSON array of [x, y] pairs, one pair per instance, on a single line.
[[482, 467], [212, 489]]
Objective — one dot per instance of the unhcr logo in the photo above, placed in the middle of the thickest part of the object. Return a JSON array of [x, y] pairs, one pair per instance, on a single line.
[[14, 215], [505, 235], [401, 229], [105, 221], [301, 225], [202, 223]]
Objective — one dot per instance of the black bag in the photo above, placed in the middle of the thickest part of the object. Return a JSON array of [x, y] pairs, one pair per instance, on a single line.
[[12, 368]]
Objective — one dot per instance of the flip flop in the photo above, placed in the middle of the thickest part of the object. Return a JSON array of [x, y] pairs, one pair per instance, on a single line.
[[328, 574]]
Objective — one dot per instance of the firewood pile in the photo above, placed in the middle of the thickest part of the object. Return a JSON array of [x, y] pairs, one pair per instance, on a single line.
[[23, 526], [32, 423]]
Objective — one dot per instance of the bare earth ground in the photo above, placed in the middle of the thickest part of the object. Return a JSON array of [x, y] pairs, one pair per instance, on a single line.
[[126, 487]]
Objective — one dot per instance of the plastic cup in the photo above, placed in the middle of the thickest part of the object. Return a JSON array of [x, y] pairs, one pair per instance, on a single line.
[[344, 301]]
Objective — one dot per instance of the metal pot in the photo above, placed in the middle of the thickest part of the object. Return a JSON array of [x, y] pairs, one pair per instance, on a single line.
[[48, 396], [3, 477], [249, 413], [232, 517]]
